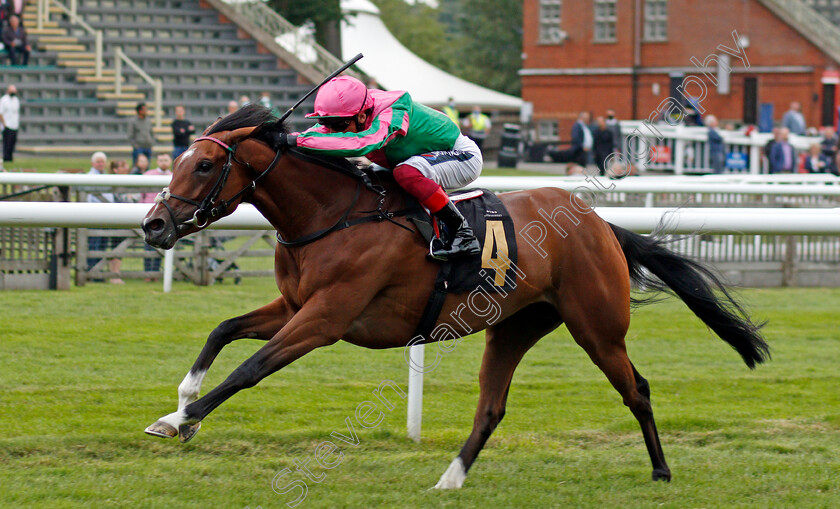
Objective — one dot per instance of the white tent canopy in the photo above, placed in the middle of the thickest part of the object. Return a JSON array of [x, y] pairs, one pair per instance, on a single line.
[[394, 67]]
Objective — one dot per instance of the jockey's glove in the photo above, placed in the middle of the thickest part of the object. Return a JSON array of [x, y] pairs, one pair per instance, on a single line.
[[287, 140]]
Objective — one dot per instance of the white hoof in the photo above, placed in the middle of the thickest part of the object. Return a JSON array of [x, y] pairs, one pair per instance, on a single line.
[[454, 476]]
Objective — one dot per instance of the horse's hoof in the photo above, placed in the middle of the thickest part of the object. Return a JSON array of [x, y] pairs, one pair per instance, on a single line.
[[454, 476], [661, 475], [187, 431], [162, 430]]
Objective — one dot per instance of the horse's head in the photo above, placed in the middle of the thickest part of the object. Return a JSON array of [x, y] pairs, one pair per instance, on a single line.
[[210, 179]]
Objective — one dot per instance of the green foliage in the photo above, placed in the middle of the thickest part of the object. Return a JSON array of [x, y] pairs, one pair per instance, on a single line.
[[477, 40], [301, 12], [418, 29], [84, 371]]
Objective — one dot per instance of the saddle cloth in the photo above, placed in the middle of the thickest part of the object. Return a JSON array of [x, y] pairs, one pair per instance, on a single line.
[[492, 271]]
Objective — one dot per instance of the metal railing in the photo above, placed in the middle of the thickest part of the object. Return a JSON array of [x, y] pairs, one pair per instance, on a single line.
[[157, 85], [43, 7], [309, 58], [813, 25]]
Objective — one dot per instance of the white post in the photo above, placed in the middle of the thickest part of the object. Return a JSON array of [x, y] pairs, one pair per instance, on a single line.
[[118, 70], [168, 267], [98, 46], [415, 392], [679, 156], [42, 12], [73, 11], [158, 103], [755, 154]]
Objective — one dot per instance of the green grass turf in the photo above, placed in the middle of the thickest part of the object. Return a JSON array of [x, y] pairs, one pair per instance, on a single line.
[[83, 372], [48, 164]]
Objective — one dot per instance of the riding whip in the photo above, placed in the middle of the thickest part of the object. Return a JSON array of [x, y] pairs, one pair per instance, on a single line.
[[328, 78]]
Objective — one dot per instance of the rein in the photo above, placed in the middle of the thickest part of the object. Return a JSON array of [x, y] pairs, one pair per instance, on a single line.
[[205, 211]]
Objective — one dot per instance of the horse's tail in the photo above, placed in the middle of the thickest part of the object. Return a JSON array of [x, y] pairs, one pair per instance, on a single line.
[[695, 285]]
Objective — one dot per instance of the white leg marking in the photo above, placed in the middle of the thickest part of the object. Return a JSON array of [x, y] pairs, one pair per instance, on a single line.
[[175, 419], [454, 476], [189, 388]]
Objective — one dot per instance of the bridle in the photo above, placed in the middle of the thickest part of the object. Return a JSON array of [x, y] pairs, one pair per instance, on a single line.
[[205, 211]]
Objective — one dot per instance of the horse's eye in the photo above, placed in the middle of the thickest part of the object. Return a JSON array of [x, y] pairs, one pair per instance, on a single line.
[[204, 167]]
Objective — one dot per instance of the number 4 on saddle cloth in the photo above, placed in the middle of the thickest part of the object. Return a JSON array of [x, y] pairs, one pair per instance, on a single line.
[[493, 271]]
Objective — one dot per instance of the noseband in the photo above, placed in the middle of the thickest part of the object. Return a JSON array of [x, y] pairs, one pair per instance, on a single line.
[[205, 211]]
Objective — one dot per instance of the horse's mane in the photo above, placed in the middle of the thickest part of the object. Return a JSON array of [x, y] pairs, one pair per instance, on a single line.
[[252, 114]]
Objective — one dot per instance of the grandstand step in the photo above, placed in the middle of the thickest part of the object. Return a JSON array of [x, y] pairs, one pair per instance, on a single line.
[[162, 130], [126, 112], [111, 87], [88, 72], [57, 39], [94, 79], [84, 149], [84, 56], [34, 9], [127, 104], [46, 31], [32, 21], [76, 63], [125, 95], [168, 138], [60, 47]]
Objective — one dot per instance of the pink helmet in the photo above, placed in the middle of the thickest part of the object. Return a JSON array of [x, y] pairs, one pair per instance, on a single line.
[[343, 96]]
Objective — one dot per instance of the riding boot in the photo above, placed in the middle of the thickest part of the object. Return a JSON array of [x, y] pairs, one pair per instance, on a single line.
[[461, 240]]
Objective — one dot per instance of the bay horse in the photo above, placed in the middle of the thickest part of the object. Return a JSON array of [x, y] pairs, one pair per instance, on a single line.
[[368, 284]]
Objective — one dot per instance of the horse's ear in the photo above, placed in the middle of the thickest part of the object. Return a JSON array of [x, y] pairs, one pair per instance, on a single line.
[[206, 131], [237, 135]]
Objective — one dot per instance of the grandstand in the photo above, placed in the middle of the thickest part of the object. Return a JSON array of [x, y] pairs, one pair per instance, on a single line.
[[203, 51], [828, 8]]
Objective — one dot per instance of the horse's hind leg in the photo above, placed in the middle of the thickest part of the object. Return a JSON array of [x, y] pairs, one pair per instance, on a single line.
[[600, 330], [507, 343]]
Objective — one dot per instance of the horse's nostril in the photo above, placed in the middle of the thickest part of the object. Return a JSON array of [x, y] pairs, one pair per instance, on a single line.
[[154, 226]]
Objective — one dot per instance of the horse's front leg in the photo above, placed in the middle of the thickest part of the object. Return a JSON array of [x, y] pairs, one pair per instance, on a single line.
[[312, 327], [262, 323]]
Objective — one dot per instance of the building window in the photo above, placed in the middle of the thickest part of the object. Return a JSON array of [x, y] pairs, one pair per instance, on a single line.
[[605, 20], [656, 20], [548, 130], [550, 16]]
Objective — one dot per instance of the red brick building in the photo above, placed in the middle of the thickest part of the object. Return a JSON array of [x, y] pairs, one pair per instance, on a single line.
[[632, 55]]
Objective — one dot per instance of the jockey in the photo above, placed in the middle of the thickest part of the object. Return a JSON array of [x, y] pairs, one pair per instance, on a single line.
[[425, 150]]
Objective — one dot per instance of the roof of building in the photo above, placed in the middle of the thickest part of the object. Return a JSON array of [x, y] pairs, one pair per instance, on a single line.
[[394, 67]]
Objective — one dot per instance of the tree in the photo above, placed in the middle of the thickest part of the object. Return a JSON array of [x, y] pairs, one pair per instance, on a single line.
[[417, 27], [492, 38], [477, 40], [326, 15]]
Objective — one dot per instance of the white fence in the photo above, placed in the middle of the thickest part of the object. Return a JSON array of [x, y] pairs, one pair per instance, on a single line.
[[685, 149]]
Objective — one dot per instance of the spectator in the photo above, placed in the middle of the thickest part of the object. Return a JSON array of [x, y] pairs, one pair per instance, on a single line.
[[141, 166], [615, 128], [14, 39], [603, 144], [717, 151], [451, 112], [10, 121], [181, 131], [98, 166], [582, 143], [782, 154], [793, 119], [693, 117], [817, 162], [265, 100], [164, 162], [140, 134], [478, 126], [829, 146], [243, 100], [120, 167], [232, 107]]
